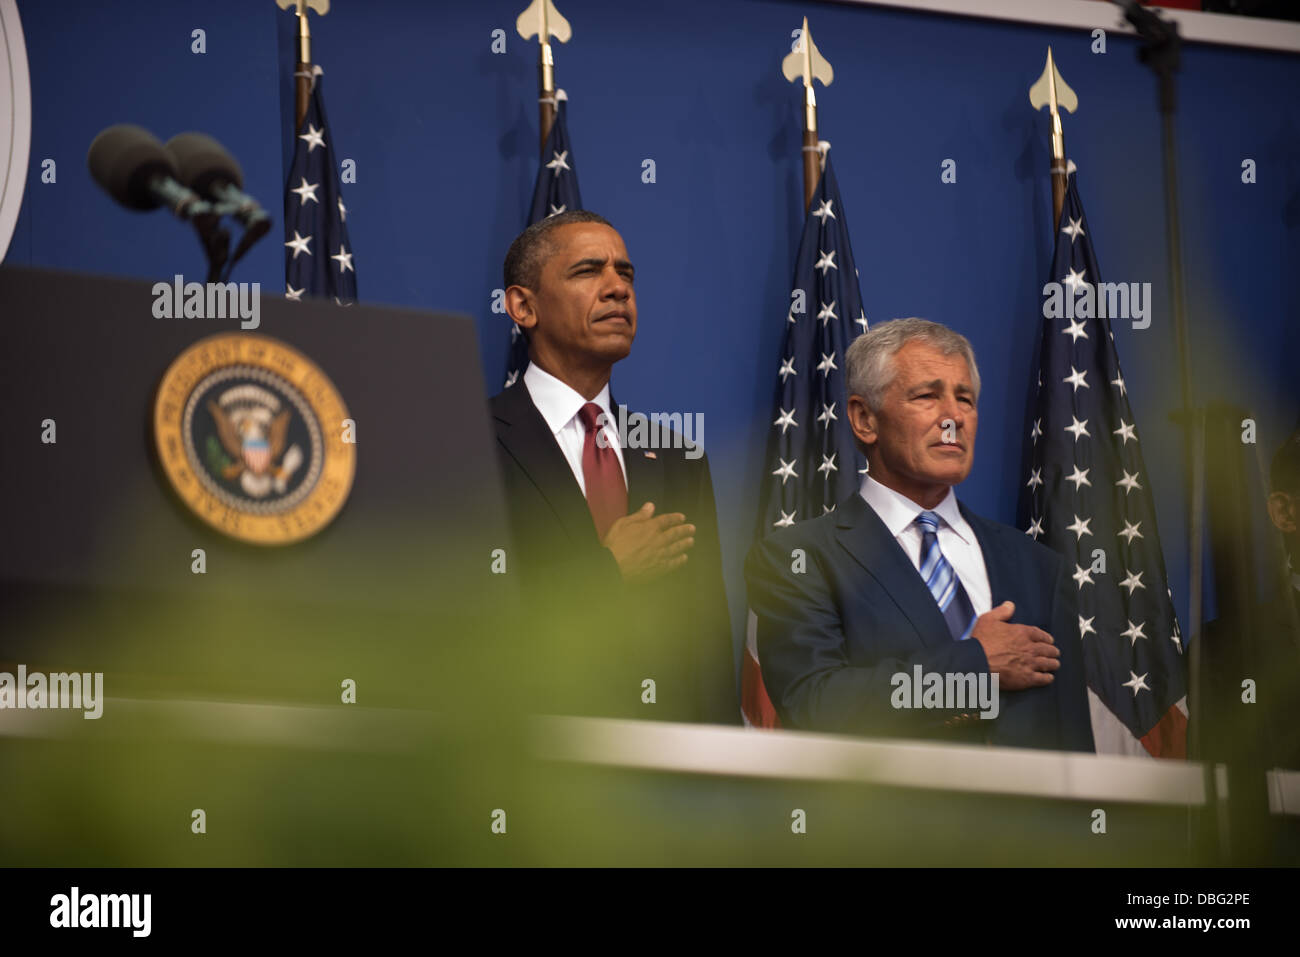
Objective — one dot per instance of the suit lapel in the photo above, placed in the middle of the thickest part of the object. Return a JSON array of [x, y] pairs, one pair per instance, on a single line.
[[1001, 575], [527, 438], [866, 538]]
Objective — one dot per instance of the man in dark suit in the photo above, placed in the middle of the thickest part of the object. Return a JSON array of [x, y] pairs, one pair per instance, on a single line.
[[616, 548], [901, 582]]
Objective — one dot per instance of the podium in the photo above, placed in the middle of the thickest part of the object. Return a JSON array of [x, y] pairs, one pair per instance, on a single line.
[[106, 567]]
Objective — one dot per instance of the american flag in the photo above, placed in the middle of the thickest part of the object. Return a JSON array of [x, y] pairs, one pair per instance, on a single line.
[[1087, 496], [556, 192], [812, 462], [317, 256]]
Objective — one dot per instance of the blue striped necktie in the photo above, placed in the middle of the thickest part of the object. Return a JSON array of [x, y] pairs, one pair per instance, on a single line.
[[942, 580]]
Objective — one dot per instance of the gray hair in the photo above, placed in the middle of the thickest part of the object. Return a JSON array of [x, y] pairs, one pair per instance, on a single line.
[[870, 357]]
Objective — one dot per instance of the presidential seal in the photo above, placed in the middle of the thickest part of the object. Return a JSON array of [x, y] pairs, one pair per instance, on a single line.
[[251, 435]]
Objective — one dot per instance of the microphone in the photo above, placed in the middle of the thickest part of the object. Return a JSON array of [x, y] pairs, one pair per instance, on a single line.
[[206, 167], [134, 168]]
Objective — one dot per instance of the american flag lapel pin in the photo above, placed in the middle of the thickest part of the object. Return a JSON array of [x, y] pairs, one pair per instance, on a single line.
[[651, 455]]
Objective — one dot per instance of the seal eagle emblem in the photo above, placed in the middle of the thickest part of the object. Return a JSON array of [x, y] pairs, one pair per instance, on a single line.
[[254, 438]]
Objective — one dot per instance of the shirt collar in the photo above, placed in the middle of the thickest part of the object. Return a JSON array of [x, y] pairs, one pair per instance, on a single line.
[[556, 400], [898, 511]]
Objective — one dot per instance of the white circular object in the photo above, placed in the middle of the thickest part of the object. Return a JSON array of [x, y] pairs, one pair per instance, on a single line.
[[15, 120]]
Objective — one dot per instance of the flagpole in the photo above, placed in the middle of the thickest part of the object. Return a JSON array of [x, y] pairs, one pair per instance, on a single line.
[[806, 62], [812, 169], [545, 91], [1051, 90], [302, 71], [1160, 51], [542, 20]]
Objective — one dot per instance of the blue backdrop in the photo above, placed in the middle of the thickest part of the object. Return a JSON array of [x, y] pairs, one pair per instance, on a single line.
[[443, 133]]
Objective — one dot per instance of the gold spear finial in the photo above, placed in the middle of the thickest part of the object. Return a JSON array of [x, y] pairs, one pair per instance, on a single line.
[[543, 21], [806, 61], [1051, 89]]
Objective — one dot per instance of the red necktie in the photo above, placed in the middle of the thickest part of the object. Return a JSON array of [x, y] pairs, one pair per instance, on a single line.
[[606, 493]]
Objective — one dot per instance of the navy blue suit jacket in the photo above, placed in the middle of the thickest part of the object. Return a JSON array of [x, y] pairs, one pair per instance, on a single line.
[[831, 638]]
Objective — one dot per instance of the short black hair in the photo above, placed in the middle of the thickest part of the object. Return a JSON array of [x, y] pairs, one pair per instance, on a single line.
[[531, 248]]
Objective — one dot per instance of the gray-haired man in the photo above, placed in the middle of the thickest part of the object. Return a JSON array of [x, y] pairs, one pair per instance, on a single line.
[[894, 614]]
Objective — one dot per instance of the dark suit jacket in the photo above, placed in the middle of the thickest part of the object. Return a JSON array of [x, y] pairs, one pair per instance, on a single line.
[[593, 639], [830, 639]]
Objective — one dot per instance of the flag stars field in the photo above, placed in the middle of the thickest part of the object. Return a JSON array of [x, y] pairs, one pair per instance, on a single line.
[[809, 441], [1102, 431], [314, 210]]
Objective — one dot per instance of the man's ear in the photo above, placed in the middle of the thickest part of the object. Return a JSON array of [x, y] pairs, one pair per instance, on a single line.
[[862, 420], [1283, 509], [521, 307]]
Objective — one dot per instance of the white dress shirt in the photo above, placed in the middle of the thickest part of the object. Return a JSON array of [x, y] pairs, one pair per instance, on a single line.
[[957, 539], [559, 405]]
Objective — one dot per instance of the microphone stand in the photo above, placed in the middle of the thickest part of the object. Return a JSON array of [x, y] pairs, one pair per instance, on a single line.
[[1160, 50], [215, 241], [1231, 822]]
